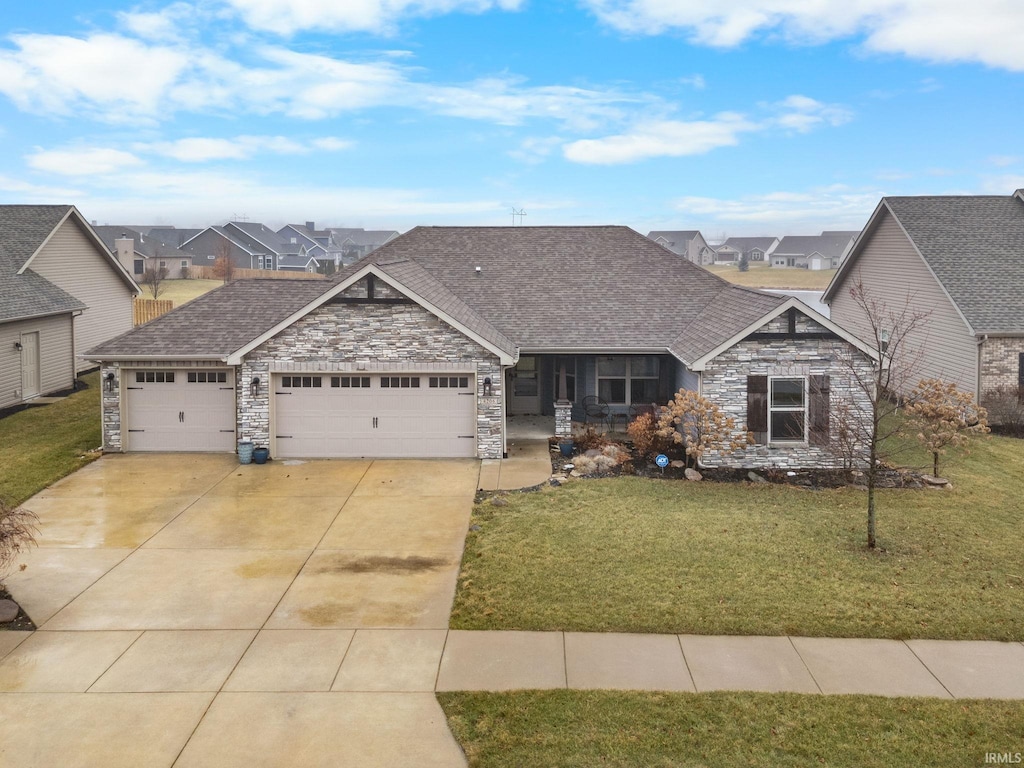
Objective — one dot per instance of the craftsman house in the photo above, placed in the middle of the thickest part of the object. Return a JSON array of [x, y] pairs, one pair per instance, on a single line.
[[426, 347]]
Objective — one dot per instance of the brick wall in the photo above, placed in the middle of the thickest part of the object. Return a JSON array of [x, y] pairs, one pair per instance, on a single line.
[[1000, 362]]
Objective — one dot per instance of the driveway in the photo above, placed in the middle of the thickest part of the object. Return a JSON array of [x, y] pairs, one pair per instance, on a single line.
[[195, 612]]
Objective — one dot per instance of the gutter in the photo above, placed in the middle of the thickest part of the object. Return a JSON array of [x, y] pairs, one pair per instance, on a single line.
[[157, 358]]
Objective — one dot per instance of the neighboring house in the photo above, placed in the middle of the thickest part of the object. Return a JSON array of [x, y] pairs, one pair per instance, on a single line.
[[139, 252], [315, 241], [959, 259], [757, 249], [247, 244], [814, 252], [690, 244], [426, 346], [299, 262], [348, 245], [61, 292], [173, 237]]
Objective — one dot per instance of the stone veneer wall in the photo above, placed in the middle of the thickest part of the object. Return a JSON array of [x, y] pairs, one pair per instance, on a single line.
[[724, 381], [372, 337], [1000, 362], [110, 403]]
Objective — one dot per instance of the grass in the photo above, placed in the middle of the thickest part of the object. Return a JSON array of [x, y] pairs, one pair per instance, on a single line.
[[651, 730], [639, 555], [182, 291], [42, 444], [764, 276]]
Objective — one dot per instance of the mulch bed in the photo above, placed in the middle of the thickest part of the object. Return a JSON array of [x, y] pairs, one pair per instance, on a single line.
[[22, 622]]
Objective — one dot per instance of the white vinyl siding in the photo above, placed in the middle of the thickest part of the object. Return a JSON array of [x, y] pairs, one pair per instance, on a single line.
[[71, 261], [55, 363], [892, 270]]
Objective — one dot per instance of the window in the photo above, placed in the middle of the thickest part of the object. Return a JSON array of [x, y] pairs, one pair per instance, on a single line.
[[207, 377], [624, 380], [261, 262], [787, 410], [350, 382], [569, 363], [301, 381], [154, 377], [883, 340], [449, 382], [138, 266], [399, 382], [184, 263]]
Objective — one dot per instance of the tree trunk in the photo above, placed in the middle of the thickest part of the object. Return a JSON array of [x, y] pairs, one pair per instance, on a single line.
[[935, 463], [872, 472]]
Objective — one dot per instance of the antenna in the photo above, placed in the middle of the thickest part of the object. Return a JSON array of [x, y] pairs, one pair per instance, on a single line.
[[518, 214], [239, 217]]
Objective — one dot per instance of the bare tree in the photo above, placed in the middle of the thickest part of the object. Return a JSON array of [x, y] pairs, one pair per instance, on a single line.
[[224, 264], [17, 533], [944, 417], [891, 336], [153, 279]]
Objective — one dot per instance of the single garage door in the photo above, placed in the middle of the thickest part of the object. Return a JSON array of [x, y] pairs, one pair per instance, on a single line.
[[180, 410], [408, 415]]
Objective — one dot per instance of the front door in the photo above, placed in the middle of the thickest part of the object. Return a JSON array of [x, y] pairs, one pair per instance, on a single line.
[[524, 386], [29, 365]]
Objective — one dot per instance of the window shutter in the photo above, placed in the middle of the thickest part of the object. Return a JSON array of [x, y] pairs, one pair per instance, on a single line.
[[757, 408], [1020, 371], [819, 407]]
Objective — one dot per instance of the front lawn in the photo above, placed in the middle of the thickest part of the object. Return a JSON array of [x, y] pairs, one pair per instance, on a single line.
[[640, 555], [764, 276], [42, 444], [182, 291], [647, 730]]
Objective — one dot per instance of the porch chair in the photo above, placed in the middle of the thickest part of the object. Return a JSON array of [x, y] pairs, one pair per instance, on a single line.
[[596, 408]]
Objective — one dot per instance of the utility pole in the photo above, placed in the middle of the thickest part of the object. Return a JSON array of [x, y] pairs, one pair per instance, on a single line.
[[518, 215]]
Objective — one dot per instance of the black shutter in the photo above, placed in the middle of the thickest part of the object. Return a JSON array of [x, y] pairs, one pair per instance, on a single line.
[[819, 407], [757, 408], [1020, 371]]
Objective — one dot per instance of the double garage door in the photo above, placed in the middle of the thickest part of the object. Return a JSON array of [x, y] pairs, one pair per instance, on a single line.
[[180, 410], [379, 415]]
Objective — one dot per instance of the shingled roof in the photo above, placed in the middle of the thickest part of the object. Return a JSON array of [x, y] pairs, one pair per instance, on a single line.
[[23, 229], [541, 289], [974, 245]]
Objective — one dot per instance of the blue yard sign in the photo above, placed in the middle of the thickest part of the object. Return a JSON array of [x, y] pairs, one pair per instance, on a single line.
[[661, 460]]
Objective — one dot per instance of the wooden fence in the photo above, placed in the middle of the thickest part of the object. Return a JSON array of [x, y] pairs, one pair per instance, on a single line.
[[144, 310], [206, 273]]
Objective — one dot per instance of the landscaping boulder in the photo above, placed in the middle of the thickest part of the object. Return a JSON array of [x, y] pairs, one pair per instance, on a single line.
[[677, 463], [755, 478], [692, 474], [498, 501], [8, 611]]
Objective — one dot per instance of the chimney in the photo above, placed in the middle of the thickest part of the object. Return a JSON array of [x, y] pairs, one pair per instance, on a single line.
[[124, 248], [311, 225]]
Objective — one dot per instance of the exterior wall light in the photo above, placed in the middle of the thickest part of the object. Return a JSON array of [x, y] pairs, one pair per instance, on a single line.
[[17, 345], [254, 387], [109, 382], [487, 387]]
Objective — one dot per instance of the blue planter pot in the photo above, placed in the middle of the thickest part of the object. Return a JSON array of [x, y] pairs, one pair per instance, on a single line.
[[245, 449], [565, 447], [260, 455]]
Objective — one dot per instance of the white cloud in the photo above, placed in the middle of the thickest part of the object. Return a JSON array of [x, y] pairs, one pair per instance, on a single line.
[[986, 31], [1005, 161], [696, 81], [379, 16], [82, 162], [198, 149], [535, 149], [802, 113], [105, 73], [782, 212], [662, 138]]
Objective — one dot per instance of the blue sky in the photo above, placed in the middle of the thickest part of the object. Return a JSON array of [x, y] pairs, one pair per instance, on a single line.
[[736, 117]]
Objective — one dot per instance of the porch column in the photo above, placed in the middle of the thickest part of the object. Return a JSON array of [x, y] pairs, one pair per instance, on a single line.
[[563, 419]]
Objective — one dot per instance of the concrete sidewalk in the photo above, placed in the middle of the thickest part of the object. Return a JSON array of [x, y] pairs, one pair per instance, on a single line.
[[495, 661]]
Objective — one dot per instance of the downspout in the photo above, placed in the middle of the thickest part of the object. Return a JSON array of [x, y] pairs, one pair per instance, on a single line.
[[977, 392], [74, 351]]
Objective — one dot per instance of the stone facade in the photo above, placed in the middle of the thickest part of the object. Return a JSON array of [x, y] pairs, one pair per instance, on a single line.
[[724, 382], [1001, 362], [563, 419], [343, 336]]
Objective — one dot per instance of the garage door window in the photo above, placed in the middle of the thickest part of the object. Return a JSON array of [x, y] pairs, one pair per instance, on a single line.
[[301, 381], [449, 382], [154, 377], [350, 382], [207, 377], [399, 382]]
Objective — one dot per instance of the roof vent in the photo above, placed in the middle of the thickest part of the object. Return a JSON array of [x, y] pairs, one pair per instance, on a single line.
[[478, 270]]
